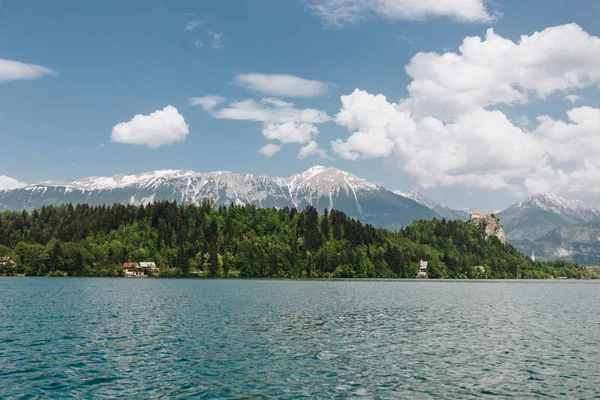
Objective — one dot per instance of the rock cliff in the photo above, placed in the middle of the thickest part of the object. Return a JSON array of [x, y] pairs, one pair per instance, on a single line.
[[493, 227]]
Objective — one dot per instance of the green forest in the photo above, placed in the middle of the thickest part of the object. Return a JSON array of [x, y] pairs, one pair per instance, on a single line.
[[250, 242]]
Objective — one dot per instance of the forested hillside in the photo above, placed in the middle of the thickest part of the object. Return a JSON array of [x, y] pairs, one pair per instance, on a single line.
[[246, 241]]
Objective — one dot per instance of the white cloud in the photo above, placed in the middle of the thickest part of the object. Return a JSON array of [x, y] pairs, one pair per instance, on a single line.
[[375, 124], [270, 111], [573, 98], [7, 183], [281, 85], [207, 102], [160, 128], [14, 70], [281, 120], [498, 71], [290, 132], [312, 149], [481, 149], [339, 12], [270, 149], [193, 25], [217, 39], [448, 134]]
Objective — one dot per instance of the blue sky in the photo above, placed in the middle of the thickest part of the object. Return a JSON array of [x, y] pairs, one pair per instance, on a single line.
[[112, 60]]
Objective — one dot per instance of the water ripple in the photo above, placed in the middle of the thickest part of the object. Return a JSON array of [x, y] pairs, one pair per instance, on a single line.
[[119, 338]]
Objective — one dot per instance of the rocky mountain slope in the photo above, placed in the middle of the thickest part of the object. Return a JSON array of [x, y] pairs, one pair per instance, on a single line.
[[542, 213], [554, 228], [319, 186], [440, 209], [576, 242]]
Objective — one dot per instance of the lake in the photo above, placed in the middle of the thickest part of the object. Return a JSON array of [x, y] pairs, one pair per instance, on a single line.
[[150, 338]]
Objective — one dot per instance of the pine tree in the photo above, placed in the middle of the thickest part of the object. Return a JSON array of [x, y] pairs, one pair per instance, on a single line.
[[55, 260]]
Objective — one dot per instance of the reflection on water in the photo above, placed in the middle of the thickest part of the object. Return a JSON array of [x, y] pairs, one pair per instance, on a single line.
[[301, 339]]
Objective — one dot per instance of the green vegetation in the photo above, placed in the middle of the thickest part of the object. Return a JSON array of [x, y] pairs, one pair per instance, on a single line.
[[246, 241]]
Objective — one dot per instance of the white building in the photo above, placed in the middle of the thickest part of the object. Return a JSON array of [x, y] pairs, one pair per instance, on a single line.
[[138, 269], [149, 265], [422, 268]]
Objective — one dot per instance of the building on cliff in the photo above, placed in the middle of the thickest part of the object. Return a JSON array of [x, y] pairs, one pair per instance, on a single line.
[[492, 225]]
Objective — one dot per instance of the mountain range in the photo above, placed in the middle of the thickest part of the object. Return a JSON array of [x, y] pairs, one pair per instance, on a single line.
[[319, 187], [440, 209], [552, 227], [545, 224]]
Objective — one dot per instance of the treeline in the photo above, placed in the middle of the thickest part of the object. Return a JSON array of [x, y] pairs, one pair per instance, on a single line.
[[247, 241]]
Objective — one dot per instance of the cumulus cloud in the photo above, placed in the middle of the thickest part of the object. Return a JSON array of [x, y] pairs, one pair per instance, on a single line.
[[290, 132], [483, 149], [340, 12], [207, 102], [312, 149], [498, 71], [447, 133], [281, 85], [160, 128], [270, 149], [14, 70], [280, 119], [7, 183]]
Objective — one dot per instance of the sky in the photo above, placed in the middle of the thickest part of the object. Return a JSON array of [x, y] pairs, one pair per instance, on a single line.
[[478, 104]]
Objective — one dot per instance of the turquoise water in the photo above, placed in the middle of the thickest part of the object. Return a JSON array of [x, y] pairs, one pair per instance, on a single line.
[[151, 338]]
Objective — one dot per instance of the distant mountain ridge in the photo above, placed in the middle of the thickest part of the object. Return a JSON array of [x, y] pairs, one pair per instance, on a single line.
[[549, 225], [553, 227], [442, 210], [542, 213], [318, 186]]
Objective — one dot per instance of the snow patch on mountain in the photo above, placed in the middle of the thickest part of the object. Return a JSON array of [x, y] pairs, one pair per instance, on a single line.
[[563, 252], [442, 210], [561, 206], [319, 186], [418, 197]]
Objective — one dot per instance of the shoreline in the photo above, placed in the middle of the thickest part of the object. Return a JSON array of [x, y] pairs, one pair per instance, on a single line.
[[415, 280]]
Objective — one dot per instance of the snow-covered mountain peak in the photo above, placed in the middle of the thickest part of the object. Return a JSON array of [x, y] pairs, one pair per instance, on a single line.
[[559, 205], [320, 187], [141, 179], [314, 170], [442, 210], [328, 179], [417, 196]]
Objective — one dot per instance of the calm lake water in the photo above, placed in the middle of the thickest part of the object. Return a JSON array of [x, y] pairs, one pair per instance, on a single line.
[[153, 338]]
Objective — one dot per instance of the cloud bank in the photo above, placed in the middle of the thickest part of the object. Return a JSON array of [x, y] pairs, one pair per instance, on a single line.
[[448, 132]]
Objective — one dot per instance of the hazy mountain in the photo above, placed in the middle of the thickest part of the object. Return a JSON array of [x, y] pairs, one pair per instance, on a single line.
[[440, 209], [575, 242], [542, 213], [554, 228], [318, 186]]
